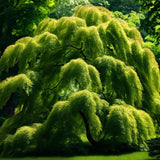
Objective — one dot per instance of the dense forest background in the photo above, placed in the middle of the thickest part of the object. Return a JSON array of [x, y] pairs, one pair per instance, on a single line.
[[49, 74]]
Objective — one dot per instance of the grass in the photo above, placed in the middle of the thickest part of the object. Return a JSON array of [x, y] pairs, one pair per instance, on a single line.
[[131, 156]]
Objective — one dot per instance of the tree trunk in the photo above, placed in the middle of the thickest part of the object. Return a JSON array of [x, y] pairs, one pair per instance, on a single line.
[[89, 136]]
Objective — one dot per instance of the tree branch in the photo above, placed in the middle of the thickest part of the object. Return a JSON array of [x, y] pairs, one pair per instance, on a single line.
[[110, 49], [58, 65], [81, 50], [55, 85], [78, 82]]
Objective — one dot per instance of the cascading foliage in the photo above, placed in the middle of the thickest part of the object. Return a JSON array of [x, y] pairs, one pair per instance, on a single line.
[[86, 83]]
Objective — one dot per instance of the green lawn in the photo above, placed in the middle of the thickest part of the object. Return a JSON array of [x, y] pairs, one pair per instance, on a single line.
[[131, 156]]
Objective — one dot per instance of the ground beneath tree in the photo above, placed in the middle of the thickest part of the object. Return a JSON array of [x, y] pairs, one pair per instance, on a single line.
[[130, 156]]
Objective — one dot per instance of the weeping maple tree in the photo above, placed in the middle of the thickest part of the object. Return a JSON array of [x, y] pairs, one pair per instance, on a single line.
[[86, 84]]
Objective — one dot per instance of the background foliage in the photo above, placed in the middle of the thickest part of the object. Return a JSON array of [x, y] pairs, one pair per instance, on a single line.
[[124, 6], [20, 18], [151, 23]]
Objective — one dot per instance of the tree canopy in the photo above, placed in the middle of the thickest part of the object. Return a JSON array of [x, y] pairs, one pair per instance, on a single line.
[[86, 83]]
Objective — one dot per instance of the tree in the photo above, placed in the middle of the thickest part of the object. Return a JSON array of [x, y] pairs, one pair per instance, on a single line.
[[20, 18], [124, 6], [151, 23], [86, 83]]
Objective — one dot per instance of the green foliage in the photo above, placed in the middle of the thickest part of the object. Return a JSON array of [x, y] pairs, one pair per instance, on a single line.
[[64, 125], [147, 59], [86, 103], [118, 124], [78, 73], [83, 101], [115, 74], [20, 143], [80, 65], [13, 84], [151, 23], [133, 18], [126, 125], [92, 15], [153, 47], [88, 39]]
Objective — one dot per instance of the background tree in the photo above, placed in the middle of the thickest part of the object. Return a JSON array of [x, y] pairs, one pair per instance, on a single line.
[[151, 23], [152, 45], [20, 18], [102, 3], [124, 6], [133, 18], [86, 81]]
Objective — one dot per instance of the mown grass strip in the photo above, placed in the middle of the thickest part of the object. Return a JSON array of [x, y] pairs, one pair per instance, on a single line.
[[131, 156]]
